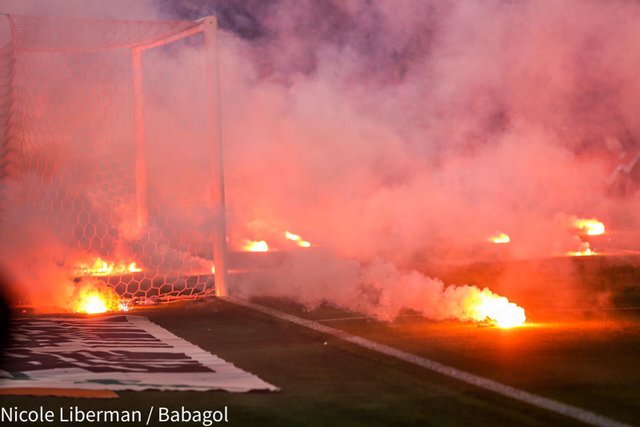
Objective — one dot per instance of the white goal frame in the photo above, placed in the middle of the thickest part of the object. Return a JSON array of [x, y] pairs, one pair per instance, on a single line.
[[207, 26]]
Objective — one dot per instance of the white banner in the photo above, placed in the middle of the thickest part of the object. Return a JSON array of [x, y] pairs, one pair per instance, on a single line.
[[114, 353]]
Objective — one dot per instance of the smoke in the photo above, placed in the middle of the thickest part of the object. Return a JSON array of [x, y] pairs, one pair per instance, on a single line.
[[113, 9], [413, 132], [33, 259], [487, 129], [377, 288], [399, 136]]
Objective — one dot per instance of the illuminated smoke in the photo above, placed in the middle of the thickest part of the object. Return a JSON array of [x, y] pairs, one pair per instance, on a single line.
[[403, 134]]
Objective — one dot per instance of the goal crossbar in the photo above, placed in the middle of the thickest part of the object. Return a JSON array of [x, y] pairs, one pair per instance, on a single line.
[[207, 26]]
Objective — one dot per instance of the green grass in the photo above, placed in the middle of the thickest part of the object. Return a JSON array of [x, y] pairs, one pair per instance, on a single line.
[[591, 364], [322, 385]]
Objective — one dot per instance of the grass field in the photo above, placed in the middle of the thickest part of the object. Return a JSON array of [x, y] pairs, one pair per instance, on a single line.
[[590, 362]]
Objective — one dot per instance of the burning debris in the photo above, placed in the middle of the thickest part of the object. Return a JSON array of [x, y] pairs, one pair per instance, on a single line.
[[588, 227], [96, 298], [263, 246], [101, 267], [591, 227], [256, 246], [296, 238], [500, 238], [496, 310], [585, 250]]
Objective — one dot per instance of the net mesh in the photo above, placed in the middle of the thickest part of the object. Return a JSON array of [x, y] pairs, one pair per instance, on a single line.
[[69, 169]]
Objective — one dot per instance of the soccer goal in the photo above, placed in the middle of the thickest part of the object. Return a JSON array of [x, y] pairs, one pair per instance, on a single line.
[[112, 152]]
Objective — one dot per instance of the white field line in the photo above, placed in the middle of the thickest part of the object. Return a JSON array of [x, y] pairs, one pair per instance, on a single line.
[[574, 412]]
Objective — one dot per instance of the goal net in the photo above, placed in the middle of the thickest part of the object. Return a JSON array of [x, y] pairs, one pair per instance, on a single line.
[[111, 151]]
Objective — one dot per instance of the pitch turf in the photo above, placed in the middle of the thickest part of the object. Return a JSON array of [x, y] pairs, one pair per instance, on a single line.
[[590, 363]]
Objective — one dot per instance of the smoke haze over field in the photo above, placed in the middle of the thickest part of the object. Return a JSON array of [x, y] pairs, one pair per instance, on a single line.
[[504, 117], [403, 134]]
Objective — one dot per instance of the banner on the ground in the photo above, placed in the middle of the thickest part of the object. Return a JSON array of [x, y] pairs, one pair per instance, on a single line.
[[115, 353]]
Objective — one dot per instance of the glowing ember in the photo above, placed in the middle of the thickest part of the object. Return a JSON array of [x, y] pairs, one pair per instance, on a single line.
[[591, 227], [95, 299], [500, 238], [101, 267], [256, 246], [497, 310], [296, 238], [585, 250], [93, 304]]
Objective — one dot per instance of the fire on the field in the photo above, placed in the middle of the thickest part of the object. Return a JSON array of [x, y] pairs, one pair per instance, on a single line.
[[95, 298], [100, 267]]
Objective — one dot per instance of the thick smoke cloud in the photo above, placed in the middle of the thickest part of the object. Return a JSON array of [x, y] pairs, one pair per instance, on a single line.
[[413, 132], [399, 136], [506, 118]]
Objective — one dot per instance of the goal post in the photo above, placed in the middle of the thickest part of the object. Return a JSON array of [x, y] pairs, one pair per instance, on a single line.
[[67, 102], [208, 25], [214, 130]]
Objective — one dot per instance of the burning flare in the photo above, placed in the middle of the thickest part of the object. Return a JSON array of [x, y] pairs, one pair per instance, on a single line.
[[585, 250], [592, 227], [101, 267], [296, 238], [500, 238], [495, 309], [256, 246], [97, 298]]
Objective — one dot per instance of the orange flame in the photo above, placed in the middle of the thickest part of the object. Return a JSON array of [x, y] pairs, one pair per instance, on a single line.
[[95, 299], [585, 250], [101, 267], [296, 238], [500, 238], [256, 246], [489, 307], [591, 227]]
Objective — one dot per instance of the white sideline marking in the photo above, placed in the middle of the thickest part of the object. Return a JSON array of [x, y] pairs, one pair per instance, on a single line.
[[574, 412]]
